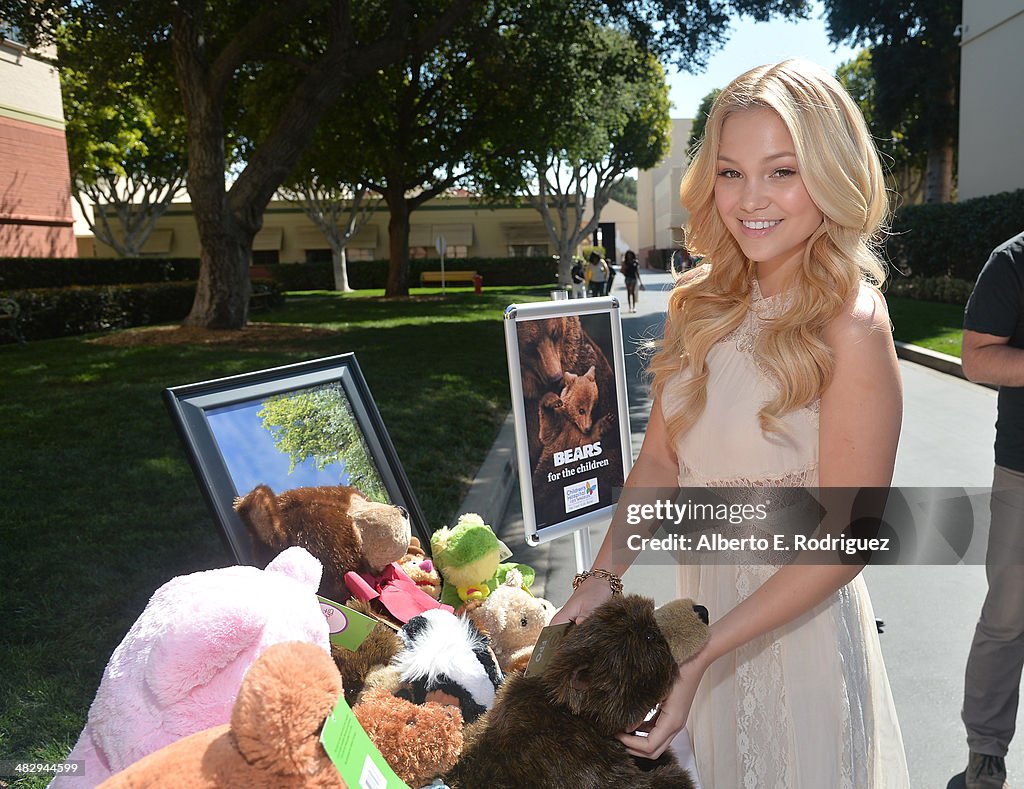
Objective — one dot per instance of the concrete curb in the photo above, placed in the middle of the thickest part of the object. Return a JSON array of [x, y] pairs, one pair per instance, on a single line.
[[942, 362], [490, 492]]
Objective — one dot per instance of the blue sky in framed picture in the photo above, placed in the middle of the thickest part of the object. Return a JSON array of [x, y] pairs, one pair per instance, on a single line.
[[253, 458], [299, 438]]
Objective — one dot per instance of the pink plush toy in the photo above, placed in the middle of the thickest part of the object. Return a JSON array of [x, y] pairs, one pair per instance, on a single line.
[[179, 669]]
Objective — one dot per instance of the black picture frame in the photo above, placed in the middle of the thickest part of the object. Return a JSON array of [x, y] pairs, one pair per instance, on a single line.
[[214, 420]]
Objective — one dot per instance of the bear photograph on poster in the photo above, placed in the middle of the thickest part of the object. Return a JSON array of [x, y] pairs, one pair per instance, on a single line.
[[570, 403]]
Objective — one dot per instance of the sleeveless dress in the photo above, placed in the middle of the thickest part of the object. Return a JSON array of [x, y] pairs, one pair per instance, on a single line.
[[806, 706]]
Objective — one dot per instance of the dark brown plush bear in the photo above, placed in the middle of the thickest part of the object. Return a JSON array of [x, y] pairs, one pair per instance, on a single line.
[[336, 523], [557, 730]]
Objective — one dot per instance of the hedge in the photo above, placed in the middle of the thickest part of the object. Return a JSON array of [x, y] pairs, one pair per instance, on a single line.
[[946, 289], [373, 274], [953, 239], [25, 273], [62, 312]]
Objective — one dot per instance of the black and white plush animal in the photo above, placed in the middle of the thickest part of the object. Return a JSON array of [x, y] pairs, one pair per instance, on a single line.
[[446, 659]]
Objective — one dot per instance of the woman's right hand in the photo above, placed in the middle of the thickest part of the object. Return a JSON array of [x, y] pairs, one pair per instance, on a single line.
[[590, 594]]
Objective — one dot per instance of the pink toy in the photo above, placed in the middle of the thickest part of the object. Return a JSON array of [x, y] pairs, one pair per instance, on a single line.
[[179, 669], [400, 596]]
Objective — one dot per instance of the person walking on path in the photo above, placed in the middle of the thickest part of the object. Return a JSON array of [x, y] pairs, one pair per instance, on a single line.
[[631, 276], [579, 279], [993, 353], [777, 370], [597, 275], [611, 276]]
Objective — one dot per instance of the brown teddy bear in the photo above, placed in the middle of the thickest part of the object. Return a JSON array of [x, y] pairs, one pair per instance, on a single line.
[[374, 653], [512, 619], [337, 524], [419, 741], [418, 566], [557, 729], [273, 740]]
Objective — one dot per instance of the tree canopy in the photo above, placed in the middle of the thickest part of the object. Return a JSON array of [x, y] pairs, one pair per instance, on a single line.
[[316, 50], [903, 160], [126, 144], [915, 61], [700, 120], [319, 425], [623, 123]]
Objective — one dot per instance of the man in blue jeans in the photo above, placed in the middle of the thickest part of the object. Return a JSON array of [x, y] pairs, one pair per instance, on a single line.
[[993, 352]]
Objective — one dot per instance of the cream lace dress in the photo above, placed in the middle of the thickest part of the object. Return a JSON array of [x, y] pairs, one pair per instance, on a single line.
[[806, 706]]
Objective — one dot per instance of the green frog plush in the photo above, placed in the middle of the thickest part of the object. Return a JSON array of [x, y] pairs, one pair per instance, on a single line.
[[470, 558]]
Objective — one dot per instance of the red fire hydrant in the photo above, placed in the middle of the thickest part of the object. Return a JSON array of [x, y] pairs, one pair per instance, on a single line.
[[478, 284]]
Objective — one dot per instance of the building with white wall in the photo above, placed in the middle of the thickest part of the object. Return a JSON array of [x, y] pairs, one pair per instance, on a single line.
[[470, 228], [660, 215], [991, 148]]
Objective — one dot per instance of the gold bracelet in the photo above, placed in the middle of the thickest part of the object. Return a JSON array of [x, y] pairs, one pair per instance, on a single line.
[[613, 580]]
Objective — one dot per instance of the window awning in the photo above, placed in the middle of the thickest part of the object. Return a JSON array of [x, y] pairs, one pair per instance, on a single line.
[[269, 238], [454, 235], [421, 236], [533, 233], [158, 243], [310, 237]]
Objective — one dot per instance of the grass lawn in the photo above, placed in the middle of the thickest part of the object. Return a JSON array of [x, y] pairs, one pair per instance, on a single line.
[[929, 324], [100, 506]]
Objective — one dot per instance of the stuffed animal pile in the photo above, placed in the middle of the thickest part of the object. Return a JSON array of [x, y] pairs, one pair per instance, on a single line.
[[173, 710], [272, 740], [180, 666]]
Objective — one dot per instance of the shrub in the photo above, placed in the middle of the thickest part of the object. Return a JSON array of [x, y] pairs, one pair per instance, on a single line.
[[63, 312], [373, 274], [26, 273], [946, 289], [953, 239]]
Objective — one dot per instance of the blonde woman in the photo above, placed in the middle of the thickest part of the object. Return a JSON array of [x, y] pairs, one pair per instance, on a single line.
[[777, 369]]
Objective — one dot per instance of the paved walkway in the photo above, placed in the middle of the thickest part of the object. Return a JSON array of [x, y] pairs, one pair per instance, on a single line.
[[929, 611]]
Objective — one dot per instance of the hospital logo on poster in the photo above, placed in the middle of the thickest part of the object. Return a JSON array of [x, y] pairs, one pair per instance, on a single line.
[[582, 494]]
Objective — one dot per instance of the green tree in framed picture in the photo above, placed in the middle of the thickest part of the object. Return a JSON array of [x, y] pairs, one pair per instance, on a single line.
[[318, 424]]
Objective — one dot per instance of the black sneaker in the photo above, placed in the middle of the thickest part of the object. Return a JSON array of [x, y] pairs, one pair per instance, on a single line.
[[985, 771]]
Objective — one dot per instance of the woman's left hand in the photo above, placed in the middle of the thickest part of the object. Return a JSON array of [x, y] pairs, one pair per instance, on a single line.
[[675, 709]]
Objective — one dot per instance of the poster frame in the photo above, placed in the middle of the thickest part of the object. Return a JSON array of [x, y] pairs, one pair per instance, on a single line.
[[516, 313]]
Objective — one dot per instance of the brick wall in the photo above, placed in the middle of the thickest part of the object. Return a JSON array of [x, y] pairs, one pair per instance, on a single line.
[[35, 192]]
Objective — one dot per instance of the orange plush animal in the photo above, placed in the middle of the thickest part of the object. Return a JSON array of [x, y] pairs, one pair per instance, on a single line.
[[272, 741]]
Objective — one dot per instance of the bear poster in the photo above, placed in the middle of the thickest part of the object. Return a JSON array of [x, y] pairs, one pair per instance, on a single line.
[[569, 397]]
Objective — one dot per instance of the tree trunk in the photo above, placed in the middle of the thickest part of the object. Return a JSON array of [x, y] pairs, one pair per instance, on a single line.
[[398, 238], [565, 266], [340, 261], [941, 137], [939, 188], [222, 293]]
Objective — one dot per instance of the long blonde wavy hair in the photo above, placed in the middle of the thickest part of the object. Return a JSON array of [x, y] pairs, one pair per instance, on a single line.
[[841, 171]]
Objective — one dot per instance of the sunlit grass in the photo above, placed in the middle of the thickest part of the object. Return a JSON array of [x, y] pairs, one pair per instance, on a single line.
[[100, 506], [929, 324]]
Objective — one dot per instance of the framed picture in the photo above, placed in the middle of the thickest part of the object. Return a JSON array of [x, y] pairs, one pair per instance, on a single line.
[[303, 425], [567, 372]]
